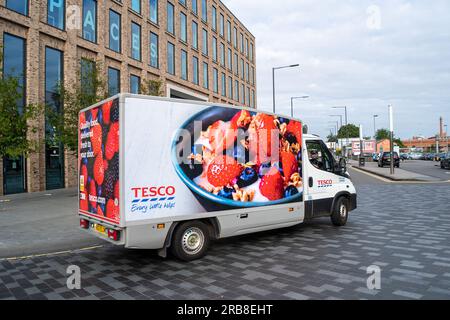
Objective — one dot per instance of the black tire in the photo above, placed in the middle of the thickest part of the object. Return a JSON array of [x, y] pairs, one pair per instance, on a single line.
[[339, 215], [184, 247]]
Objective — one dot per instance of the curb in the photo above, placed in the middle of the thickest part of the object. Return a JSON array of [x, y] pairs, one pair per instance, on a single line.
[[388, 177]]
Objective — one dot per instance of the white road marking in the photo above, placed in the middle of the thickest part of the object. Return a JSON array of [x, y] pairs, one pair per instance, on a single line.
[[50, 254]]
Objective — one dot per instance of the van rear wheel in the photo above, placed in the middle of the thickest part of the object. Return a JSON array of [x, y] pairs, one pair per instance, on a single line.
[[340, 212], [190, 241]]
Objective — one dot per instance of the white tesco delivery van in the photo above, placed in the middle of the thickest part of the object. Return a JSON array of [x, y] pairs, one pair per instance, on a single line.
[[159, 173]]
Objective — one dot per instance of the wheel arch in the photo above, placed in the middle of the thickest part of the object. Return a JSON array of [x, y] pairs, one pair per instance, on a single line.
[[212, 224]]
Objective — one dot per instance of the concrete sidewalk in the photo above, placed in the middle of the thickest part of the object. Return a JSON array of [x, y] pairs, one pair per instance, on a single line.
[[399, 174], [42, 222]]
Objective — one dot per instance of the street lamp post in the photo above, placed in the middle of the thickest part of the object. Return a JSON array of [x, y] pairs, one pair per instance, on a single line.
[[346, 123], [446, 135], [391, 127], [375, 116], [273, 81], [292, 103]]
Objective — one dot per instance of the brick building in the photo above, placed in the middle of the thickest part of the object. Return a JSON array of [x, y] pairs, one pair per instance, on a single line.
[[198, 48]]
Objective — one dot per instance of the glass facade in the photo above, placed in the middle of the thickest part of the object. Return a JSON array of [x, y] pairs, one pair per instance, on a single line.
[[221, 25], [171, 58], [222, 54], [135, 84], [153, 11], [183, 27], [214, 49], [205, 76], [170, 18], [194, 35], [54, 151], [184, 65], [205, 42], [14, 62], [195, 70], [135, 41], [204, 10], [215, 80], [114, 31], [136, 6], [154, 50], [113, 81], [214, 18], [56, 13], [90, 20], [20, 6]]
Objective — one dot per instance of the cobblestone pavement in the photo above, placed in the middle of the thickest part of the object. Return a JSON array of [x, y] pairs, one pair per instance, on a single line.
[[403, 229]]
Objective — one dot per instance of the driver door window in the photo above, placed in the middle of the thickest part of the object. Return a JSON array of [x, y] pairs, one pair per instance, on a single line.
[[319, 156]]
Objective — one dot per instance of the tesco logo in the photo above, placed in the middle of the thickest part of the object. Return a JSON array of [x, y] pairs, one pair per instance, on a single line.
[[148, 192], [325, 182]]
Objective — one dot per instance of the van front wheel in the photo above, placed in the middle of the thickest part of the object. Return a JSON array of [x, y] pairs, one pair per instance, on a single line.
[[190, 241], [340, 212]]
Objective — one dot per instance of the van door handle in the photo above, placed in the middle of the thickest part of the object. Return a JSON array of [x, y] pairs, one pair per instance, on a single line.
[[311, 182], [244, 216]]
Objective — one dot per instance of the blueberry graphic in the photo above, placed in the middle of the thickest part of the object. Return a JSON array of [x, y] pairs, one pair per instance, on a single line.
[[247, 177], [264, 169], [290, 191], [283, 120], [291, 138], [226, 193]]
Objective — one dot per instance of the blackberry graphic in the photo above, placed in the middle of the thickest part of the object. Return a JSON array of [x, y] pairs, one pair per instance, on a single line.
[[111, 177], [115, 111]]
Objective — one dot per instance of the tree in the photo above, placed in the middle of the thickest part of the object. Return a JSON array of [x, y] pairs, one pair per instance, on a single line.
[[152, 88], [332, 138], [348, 131], [382, 134], [399, 142], [89, 90], [16, 118]]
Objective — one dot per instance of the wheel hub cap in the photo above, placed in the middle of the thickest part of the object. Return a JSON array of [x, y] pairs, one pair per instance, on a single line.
[[193, 240]]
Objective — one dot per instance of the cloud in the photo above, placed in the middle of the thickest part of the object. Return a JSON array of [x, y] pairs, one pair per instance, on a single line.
[[363, 54]]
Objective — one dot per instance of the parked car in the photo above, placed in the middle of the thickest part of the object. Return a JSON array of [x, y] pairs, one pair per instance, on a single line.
[[376, 157], [416, 156], [439, 156], [385, 159], [445, 161], [404, 156]]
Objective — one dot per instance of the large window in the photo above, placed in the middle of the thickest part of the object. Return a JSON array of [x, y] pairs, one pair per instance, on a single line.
[[224, 85], [20, 6], [154, 50], [228, 31], [135, 41], [242, 42], [247, 72], [319, 155], [183, 27], [135, 84], [236, 90], [183, 2], [55, 13], [114, 31], [242, 70], [195, 70], [230, 88], [246, 47], [222, 54], [136, 6], [205, 76], [170, 58], [170, 18], [252, 104], [194, 35], [230, 60], [195, 6], [251, 52], [242, 94], [221, 25], [215, 80], [214, 18], [113, 81], [54, 155], [205, 42], [236, 64], [235, 37], [14, 55], [247, 96], [90, 20], [153, 11], [87, 76], [204, 10], [184, 65], [214, 49]]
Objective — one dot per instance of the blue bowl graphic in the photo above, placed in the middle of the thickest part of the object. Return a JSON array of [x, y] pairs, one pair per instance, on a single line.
[[210, 201]]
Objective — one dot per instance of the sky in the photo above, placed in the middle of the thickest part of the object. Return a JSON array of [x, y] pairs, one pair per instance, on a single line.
[[362, 54]]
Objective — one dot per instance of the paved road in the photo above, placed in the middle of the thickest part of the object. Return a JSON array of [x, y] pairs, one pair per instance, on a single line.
[[403, 229], [40, 223], [429, 168]]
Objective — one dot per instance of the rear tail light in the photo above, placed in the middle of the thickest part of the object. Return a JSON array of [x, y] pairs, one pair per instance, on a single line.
[[84, 223], [113, 234]]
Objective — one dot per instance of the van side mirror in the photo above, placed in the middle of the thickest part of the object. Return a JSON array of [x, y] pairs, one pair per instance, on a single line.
[[343, 164]]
